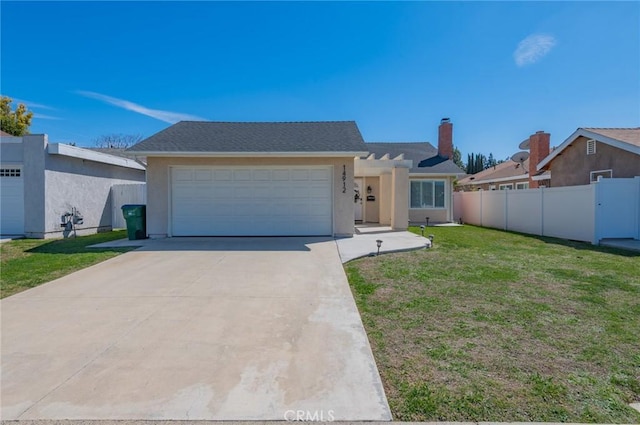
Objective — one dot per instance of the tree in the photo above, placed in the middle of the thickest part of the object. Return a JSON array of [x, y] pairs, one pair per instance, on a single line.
[[457, 157], [117, 141], [16, 122], [475, 163], [491, 161]]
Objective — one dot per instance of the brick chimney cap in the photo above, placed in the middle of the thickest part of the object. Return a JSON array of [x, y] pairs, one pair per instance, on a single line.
[[445, 120]]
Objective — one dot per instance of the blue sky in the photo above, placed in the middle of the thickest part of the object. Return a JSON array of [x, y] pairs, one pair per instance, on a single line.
[[499, 70]]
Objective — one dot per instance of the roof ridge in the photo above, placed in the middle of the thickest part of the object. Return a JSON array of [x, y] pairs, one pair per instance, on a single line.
[[610, 128], [264, 122], [387, 143]]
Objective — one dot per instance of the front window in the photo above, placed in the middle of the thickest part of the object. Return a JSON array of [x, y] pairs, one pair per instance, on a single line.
[[427, 194], [507, 186], [520, 186]]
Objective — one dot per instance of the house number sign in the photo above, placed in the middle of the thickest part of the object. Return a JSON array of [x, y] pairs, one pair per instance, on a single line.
[[344, 178]]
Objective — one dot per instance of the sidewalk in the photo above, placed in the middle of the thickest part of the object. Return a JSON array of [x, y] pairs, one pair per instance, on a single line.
[[363, 243]]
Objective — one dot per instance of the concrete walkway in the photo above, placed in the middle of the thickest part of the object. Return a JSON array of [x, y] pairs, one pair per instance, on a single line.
[[628, 244], [192, 329], [363, 243]]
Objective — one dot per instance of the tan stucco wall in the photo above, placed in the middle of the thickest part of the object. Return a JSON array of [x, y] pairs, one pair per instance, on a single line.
[[371, 208], [441, 215], [400, 198], [158, 184], [573, 166], [385, 199]]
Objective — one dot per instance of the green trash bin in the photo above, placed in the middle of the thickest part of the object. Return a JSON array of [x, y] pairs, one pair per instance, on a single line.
[[136, 218]]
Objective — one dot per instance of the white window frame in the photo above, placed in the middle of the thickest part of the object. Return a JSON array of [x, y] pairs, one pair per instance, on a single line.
[[506, 186], [591, 174], [433, 182], [492, 187], [522, 185], [591, 147]]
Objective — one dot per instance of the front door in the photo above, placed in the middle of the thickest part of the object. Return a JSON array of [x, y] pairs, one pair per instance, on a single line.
[[357, 199]]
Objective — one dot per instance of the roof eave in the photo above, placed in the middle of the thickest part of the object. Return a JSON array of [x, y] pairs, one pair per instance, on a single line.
[[88, 155], [249, 154], [411, 174], [496, 180]]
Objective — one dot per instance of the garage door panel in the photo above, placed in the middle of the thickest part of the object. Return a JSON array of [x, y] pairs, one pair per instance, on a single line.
[[203, 175], [280, 175], [244, 201], [319, 175], [182, 175], [12, 201], [242, 175], [299, 175]]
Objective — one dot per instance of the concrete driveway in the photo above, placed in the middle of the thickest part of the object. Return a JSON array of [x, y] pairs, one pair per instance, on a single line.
[[193, 328]]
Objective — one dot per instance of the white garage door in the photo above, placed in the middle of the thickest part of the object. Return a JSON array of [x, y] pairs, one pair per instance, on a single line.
[[251, 201], [11, 200]]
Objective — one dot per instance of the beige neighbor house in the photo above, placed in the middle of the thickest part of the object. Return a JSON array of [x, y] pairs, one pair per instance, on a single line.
[[284, 179], [513, 175], [593, 153]]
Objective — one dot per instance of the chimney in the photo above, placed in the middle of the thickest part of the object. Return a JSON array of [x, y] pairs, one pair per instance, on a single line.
[[445, 138], [538, 150]]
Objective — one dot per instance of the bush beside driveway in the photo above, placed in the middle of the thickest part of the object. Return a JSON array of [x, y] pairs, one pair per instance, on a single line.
[[497, 326]]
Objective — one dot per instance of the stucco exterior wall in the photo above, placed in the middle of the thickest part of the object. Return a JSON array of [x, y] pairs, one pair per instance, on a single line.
[[400, 198], [55, 183], [34, 151], [159, 182], [385, 199], [371, 208], [84, 185], [573, 166], [436, 215]]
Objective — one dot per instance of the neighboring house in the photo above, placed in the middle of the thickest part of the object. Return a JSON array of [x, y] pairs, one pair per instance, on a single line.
[[54, 189], [407, 182], [285, 179], [511, 174], [506, 175], [592, 153]]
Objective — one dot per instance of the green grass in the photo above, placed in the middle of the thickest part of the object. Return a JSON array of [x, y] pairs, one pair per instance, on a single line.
[[26, 263], [497, 326]]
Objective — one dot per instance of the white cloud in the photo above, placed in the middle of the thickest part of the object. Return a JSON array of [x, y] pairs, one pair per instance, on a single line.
[[45, 117], [30, 104], [533, 48], [166, 116]]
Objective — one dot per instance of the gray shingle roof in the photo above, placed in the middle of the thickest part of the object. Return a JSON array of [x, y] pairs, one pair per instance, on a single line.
[[424, 156], [227, 137]]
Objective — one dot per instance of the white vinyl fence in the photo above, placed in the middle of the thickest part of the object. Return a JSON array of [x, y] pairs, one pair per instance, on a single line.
[[609, 208], [123, 194]]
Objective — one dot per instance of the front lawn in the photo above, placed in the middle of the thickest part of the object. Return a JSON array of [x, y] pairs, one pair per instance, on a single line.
[[26, 263], [497, 326]]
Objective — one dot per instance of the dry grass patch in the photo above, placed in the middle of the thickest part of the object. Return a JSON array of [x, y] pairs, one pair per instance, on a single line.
[[496, 326]]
